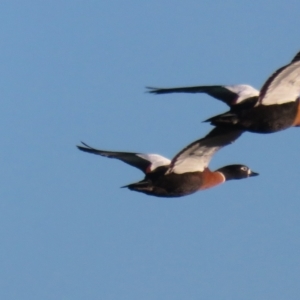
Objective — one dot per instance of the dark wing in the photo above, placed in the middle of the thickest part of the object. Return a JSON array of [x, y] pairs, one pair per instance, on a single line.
[[229, 94], [296, 58], [283, 86], [144, 162], [196, 156], [221, 136]]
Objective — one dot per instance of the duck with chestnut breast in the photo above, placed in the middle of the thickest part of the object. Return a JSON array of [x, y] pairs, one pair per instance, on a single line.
[[276, 107], [187, 172]]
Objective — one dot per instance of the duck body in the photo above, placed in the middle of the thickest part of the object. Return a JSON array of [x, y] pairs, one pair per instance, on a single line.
[[261, 118], [177, 185], [187, 172]]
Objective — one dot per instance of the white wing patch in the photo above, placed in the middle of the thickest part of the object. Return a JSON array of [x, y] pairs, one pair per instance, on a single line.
[[285, 87], [194, 159], [155, 159], [243, 91]]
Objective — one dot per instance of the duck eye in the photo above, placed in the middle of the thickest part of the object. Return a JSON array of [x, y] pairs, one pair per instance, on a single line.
[[244, 168]]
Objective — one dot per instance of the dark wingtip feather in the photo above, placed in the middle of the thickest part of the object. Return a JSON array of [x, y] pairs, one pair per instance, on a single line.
[[80, 147], [152, 90], [86, 145], [87, 148]]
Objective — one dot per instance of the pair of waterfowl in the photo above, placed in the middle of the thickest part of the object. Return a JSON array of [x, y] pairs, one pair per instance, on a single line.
[[275, 107]]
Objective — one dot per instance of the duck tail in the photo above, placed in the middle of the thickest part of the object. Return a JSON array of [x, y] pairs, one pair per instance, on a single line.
[[141, 186], [226, 118]]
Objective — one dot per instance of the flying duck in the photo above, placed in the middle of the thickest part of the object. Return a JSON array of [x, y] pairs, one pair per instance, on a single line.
[[276, 107], [187, 172]]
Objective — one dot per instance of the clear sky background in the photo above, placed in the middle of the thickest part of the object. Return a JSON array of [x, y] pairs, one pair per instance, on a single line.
[[77, 70]]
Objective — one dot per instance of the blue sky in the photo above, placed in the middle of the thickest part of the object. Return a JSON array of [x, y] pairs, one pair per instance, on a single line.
[[77, 70]]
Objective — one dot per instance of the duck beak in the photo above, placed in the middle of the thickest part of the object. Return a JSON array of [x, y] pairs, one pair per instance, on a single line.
[[253, 174]]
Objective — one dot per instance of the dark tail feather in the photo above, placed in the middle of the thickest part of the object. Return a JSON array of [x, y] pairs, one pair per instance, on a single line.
[[226, 118], [141, 186]]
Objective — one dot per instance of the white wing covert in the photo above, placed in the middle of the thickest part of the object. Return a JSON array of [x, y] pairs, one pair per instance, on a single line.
[[196, 156], [155, 159], [283, 86], [243, 91]]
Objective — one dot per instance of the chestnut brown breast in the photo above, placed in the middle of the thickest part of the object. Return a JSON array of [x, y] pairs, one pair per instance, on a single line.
[[297, 119], [211, 179]]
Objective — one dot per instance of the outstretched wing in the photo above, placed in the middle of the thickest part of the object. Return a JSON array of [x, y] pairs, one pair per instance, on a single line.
[[229, 94], [145, 162], [283, 86], [196, 156]]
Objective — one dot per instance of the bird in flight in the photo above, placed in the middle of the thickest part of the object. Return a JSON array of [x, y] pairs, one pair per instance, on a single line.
[[187, 172], [275, 107]]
